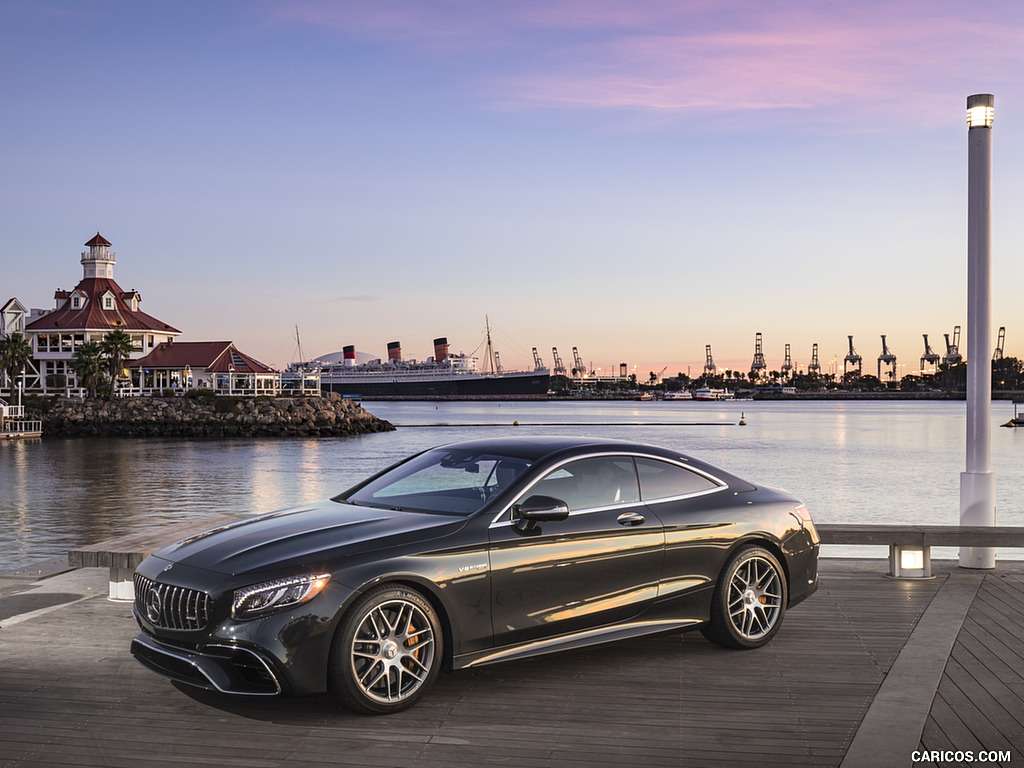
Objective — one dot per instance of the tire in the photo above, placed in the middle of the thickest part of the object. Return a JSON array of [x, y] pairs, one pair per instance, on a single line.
[[386, 652], [749, 601]]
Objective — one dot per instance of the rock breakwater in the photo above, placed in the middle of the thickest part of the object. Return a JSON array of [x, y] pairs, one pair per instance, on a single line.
[[326, 416]]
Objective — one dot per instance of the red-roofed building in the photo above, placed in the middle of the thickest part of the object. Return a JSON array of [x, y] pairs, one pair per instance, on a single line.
[[216, 365], [96, 306]]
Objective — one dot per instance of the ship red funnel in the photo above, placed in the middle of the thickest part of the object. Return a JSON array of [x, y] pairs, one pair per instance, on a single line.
[[349, 353], [394, 352], [440, 349]]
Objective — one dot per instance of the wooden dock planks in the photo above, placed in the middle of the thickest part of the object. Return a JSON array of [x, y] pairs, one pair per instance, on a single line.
[[70, 694], [979, 705]]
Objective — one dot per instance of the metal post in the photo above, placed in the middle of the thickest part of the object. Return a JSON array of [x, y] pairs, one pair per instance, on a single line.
[[978, 484]]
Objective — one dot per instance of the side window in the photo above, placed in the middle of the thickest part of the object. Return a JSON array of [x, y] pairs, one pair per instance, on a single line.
[[588, 483], [662, 480], [503, 473]]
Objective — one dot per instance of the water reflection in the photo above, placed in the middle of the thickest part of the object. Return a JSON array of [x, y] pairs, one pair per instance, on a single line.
[[850, 462]]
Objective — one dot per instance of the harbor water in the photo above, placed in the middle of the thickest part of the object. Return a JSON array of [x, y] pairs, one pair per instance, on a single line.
[[851, 462]]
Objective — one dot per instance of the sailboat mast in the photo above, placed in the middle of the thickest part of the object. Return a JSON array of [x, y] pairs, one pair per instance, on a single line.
[[491, 365], [298, 344]]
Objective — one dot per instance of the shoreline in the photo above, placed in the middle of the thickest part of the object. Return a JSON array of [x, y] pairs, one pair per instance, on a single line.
[[756, 396], [332, 415]]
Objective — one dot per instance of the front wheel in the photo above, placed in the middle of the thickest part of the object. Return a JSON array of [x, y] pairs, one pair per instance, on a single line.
[[387, 651], [749, 600]]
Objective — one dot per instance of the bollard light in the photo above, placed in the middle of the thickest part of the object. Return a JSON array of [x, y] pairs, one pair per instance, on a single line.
[[910, 561]]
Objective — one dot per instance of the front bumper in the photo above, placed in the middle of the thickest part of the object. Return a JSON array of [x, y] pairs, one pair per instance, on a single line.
[[188, 635], [225, 668]]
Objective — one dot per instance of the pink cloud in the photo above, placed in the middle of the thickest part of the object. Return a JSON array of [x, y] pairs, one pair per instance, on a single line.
[[702, 57], [791, 63]]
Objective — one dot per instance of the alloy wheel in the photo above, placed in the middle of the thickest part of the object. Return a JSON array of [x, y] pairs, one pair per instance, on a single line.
[[392, 651], [755, 598]]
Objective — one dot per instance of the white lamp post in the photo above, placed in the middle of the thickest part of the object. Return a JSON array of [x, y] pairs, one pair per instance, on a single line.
[[978, 484]]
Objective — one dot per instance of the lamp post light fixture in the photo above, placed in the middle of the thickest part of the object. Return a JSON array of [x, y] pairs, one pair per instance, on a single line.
[[978, 483], [980, 110]]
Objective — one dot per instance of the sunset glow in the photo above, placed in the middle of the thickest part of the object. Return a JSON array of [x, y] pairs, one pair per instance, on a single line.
[[636, 180]]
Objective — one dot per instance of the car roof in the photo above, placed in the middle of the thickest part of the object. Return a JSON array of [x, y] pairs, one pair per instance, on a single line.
[[535, 448], [551, 449]]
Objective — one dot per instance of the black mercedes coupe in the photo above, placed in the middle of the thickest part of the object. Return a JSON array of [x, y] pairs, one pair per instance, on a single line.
[[468, 554]]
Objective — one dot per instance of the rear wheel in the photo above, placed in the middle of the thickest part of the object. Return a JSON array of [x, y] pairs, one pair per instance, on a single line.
[[749, 601], [387, 651]]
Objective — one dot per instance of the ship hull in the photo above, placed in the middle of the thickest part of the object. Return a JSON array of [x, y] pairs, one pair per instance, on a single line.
[[372, 386]]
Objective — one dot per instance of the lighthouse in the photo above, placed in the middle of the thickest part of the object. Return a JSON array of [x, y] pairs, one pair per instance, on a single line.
[[98, 261]]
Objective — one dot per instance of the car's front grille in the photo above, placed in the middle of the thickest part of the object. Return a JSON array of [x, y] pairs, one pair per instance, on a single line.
[[171, 607]]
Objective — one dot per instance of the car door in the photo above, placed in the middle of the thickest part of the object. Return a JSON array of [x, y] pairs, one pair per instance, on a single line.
[[599, 565], [698, 515]]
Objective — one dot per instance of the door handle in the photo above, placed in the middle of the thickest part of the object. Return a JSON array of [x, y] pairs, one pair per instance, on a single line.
[[630, 518]]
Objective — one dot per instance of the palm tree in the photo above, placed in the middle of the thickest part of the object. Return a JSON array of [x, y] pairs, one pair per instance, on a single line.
[[88, 366], [116, 348], [15, 354]]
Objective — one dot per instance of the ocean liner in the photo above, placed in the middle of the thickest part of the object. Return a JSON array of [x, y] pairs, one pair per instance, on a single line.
[[444, 376]]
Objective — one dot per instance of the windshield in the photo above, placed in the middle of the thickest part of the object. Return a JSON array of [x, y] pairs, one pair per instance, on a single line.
[[447, 480]]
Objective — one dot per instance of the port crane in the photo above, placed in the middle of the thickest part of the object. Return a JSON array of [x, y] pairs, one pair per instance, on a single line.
[[930, 358], [558, 366], [538, 364], [853, 359], [758, 367], [578, 367], [888, 359], [709, 362], [998, 354], [953, 356], [787, 365], [815, 366]]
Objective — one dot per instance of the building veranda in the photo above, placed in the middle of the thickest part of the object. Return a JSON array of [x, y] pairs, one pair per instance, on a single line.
[[212, 365]]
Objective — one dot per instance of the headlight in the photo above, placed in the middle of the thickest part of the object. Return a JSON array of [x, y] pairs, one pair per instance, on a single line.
[[270, 596]]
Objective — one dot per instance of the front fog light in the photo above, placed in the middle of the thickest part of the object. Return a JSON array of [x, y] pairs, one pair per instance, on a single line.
[[269, 596]]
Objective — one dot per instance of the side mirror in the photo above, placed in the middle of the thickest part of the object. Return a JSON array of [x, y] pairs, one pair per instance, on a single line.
[[539, 509]]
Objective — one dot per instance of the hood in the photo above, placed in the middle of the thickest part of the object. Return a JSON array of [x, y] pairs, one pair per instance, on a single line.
[[308, 535]]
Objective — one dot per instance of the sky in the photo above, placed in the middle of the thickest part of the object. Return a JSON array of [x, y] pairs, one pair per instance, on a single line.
[[636, 180]]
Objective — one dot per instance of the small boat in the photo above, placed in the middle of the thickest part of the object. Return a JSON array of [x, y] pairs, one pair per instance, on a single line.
[[683, 394], [706, 393]]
